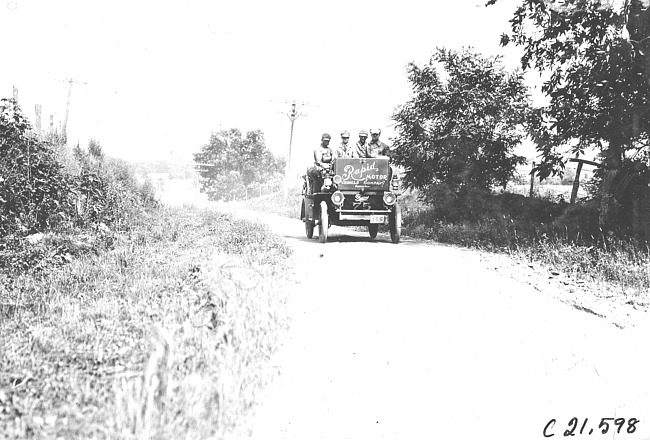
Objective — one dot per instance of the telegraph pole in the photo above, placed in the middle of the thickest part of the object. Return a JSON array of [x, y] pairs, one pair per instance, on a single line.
[[37, 110], [64, 129], [293, 115]]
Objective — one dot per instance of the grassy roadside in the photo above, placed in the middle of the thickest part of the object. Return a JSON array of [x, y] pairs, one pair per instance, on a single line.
[[165, 336], [530, 231], [527, 237]]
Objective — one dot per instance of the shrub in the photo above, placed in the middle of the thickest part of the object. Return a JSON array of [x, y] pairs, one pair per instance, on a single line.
[[579, 220], [35, 192], [38, 194]]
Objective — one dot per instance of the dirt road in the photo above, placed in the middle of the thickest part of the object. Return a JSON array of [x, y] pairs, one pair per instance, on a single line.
[[421, 340]]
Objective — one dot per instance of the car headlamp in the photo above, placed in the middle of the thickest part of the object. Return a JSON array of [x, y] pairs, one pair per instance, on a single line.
[[389, 198], [338, 198]]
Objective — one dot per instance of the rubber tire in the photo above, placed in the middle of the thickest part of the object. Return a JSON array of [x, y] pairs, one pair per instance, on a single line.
[[309, 227], [324, 223], [372, 230], [395, 224]]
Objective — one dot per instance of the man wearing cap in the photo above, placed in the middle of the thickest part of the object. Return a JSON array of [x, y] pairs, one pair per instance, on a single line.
[[322, 159], [345, 149], [359, 149], [375, 146]]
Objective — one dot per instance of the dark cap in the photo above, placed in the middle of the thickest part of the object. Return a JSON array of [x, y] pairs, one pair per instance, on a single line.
[[325, 136]]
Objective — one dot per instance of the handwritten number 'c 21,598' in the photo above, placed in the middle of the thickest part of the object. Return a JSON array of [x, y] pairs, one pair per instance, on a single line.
[[575, 427]]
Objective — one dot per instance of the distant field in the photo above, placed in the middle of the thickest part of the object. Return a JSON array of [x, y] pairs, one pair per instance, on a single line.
[[551, 192]]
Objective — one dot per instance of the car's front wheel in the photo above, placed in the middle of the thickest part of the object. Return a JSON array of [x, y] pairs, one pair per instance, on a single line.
[[395, 224]]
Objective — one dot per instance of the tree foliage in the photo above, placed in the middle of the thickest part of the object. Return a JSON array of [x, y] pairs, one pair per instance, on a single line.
[[598, 95], [594, 52], [231, 163], [462, 123]]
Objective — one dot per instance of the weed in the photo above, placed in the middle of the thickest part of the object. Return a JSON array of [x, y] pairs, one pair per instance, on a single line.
[[563, 237], [166, 334]]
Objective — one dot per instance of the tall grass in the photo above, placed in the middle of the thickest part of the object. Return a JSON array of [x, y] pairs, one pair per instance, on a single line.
[[534, 230], [167, 335], [570, 244]]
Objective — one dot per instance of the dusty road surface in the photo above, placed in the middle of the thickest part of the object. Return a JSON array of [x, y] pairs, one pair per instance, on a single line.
[[420, 340], [425, 341]]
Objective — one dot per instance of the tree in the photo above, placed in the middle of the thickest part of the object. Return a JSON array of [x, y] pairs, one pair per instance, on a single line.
[[598, 89], [230, 163], [461, 126]]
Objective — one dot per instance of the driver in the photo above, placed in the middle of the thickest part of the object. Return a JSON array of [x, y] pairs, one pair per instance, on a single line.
[[322, 159]]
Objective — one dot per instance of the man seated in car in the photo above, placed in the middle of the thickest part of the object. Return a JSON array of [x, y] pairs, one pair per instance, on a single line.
[[376, 147], [322, 160]]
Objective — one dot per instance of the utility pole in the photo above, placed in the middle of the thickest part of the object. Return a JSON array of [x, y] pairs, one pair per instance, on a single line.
[[38, 110], [64, 129], [293, 115]]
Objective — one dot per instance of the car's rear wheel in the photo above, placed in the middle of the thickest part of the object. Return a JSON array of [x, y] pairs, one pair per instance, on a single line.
[[372, 230], [395, 224], [324, 223], [309, 226]]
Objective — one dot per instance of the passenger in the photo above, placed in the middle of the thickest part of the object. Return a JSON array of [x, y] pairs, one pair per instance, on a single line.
[[359, 149], [345, 149], [375, 146], [322, 159]]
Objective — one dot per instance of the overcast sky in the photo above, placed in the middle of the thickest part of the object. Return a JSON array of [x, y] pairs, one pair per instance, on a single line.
[[156, 77]]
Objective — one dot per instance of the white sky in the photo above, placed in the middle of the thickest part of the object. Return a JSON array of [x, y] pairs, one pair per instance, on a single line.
[[156, 77]]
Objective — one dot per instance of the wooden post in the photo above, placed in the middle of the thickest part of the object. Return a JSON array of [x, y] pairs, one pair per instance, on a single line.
[[576, 183], [38, 119], [532, 180]]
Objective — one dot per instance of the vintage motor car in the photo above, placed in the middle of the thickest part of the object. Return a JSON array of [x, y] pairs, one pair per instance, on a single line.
[[352, 192]]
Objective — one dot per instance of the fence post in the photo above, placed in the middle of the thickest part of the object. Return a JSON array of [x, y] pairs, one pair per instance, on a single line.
[[532, 180], [576, 183]]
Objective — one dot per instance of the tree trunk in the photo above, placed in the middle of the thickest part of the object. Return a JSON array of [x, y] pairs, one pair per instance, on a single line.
[[638, 27], [610, 208]]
